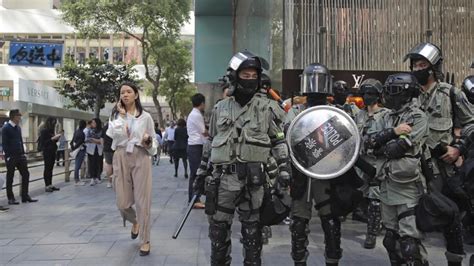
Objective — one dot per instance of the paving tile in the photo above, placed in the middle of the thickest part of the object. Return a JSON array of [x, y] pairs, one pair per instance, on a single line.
[[82, 226]]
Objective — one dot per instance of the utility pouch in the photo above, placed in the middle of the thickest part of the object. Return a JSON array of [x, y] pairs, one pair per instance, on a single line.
[[212, 189], [255, 174], [241, 170]]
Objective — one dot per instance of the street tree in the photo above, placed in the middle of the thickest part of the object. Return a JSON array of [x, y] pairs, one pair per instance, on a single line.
[[91, 85], [175, 82], [152, 23]]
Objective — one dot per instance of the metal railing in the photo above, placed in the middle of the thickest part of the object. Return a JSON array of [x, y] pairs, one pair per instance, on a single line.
[[32, 155]]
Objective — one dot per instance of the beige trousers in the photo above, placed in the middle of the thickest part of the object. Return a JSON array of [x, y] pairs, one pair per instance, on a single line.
[[132, 184]]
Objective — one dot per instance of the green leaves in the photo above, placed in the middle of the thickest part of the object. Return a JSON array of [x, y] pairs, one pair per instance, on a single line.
[[155, 24], [91, 85]]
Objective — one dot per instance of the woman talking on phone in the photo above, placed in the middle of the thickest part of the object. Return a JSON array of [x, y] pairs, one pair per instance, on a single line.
[[133, 139]]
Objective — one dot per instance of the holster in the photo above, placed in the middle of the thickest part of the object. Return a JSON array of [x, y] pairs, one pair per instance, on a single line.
[[212, 189], [252, 173]]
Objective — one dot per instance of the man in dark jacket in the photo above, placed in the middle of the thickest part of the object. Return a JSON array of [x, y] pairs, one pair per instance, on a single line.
[[15, 158]]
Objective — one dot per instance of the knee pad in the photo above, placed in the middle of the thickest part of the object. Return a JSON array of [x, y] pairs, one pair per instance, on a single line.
[[390, 240], [251, 233], [219, 231], [410, 249], [299, 226]]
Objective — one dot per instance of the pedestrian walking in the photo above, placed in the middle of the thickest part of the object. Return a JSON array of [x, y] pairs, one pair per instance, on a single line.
[[134, 142]]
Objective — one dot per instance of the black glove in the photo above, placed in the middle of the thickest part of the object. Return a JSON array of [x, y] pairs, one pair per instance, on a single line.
[[198, 185], [283, 179]]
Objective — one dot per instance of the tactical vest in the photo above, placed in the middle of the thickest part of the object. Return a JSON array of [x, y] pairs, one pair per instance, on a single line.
[[242, 132], [407, 168], [438, 109]]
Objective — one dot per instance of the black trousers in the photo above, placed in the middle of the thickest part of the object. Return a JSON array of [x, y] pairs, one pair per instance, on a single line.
[[95, 165], [20, 163], [49, 157], [194, 157], [60, 156]]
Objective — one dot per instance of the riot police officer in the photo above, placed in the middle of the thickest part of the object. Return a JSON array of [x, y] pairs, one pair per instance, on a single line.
[[370, 121], [243, 129], [316, 86], [401, 139], [341, 92], [445, 106], [468, 88]]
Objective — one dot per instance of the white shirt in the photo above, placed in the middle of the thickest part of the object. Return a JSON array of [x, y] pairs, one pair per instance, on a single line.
[[169, 133], [128, 132], [196, 128]]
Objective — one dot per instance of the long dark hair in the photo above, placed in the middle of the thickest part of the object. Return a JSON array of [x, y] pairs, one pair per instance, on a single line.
[[50, 123], [98, 124], [138, 103]]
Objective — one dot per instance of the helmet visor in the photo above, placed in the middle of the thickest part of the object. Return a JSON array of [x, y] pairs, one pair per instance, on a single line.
[[315, 83]]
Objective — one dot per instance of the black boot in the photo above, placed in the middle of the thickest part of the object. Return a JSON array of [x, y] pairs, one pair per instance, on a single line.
[[390, 243], [299, 240], [373, 224], [252, 242], [219, 234], [410, 248], [332, 239], [453, 234]]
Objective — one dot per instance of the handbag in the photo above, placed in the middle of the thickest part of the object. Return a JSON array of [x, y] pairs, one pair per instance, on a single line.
[[74, 153]]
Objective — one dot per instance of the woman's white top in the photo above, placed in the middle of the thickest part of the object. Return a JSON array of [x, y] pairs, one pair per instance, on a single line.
[[127, 132]]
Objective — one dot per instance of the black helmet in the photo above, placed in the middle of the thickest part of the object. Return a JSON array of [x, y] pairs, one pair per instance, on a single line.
[[340, 86], [265, 81], [316, 79], [243, 60], [429, 52], [246, 59], [468, 88], [399, 89], [371, 86]]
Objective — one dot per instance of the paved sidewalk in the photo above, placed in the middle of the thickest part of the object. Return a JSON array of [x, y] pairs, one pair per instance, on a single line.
[[81, 226]]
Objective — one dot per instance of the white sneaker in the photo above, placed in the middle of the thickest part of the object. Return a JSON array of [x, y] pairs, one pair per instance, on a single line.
[[80, 183], [92, 182], [98, 181], [109, 185]]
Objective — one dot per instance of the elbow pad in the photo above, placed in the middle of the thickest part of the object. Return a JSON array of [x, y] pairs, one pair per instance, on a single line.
[[377, 140], [396, 149]]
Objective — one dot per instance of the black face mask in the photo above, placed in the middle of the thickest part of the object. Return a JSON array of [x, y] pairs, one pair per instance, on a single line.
[[370, 99], [395, 102], [340, 98], [316, 99], [422, 75], [247, 86]]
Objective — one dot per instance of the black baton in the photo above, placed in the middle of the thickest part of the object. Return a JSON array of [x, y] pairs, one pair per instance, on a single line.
[[185, 217]]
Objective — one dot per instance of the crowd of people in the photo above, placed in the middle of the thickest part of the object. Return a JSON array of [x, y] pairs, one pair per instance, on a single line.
[[414, 166]]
